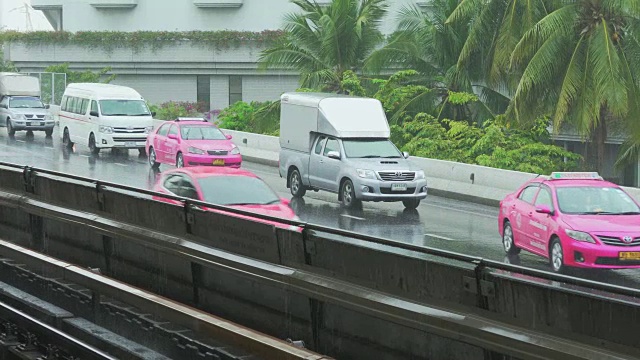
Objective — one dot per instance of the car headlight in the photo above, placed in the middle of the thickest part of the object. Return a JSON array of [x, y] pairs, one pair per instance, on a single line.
[[367, 174], [235, 151], [580, 236], [193, 150], [48, 117], [419, 175], [148, 129], [20, 117], [106, 129]]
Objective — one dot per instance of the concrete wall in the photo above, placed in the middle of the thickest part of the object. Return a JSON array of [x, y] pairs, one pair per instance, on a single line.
[[170, 15], [160, 88]]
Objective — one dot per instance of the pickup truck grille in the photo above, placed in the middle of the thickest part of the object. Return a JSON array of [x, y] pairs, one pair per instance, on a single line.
[[31, 116], [397, 175]]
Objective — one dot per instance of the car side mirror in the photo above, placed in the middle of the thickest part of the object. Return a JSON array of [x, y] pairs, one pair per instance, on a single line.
[[229, 137], [333, 155], [173, 136], [544, 209], [405, 154], [94, 113], [153, 114], [47, 106]]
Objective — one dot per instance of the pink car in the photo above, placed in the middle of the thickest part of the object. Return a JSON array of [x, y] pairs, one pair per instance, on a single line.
[[191, 142], [574, 220], [235, 188]]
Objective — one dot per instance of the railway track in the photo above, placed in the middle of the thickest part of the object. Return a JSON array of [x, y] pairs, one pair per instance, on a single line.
[[51, 309]]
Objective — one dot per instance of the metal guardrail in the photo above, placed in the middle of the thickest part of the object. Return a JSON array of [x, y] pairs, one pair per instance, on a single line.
[[478, 262]]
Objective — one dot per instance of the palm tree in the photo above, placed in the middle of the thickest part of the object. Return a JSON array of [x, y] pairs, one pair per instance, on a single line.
[[425, 42], [580, 64], [323, 42]]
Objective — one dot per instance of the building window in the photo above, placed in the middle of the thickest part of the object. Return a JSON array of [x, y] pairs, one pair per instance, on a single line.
[[235, 89], [204, 91]]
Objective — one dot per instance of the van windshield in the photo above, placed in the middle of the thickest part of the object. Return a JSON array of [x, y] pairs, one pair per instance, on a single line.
[[25, 102], [124, 108], [370, 148]]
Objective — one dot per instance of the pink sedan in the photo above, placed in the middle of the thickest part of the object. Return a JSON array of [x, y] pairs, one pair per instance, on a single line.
[[574, 220], [191, 142], [235, 188]]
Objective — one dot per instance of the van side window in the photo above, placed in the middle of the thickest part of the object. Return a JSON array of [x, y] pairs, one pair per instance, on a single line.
[[332, 145], [94, 105], [71, 104], [84, 106], [63, 103], [319, 144]]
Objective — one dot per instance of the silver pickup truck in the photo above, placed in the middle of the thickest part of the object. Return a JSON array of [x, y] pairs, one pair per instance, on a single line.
[[20, 105], [341, 144]]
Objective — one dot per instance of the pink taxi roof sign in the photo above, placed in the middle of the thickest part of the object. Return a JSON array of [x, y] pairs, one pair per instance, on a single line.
[[575, 176]]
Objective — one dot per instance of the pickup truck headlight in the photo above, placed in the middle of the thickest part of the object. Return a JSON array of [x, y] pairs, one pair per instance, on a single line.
[[366, 174], [19, 117], [419, 175], [197, 151], [580, 236], [235, 151], [48, 117], [105, 129]]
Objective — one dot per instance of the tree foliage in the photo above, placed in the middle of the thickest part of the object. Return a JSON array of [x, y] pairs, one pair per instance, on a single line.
[[82, 76]]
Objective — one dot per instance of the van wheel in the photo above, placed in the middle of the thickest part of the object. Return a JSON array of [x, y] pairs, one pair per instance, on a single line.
[[295, 184], [152, 159], [349, 195], [10, 130], [48, 133], [92, 145], [179, 161], [411, 204], [66, 139]]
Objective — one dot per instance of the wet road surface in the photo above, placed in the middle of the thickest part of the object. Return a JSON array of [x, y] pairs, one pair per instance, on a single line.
[[438, 222]]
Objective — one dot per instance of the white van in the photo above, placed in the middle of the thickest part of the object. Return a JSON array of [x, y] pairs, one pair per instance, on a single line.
[[104, 116]]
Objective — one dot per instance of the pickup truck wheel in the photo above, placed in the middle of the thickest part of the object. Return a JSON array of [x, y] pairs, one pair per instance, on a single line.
[[48, 133], [10, 130], [411, 204], [295, 184], [349, 195]]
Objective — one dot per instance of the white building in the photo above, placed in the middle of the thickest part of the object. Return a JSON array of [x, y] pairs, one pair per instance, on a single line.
[[181, 72]]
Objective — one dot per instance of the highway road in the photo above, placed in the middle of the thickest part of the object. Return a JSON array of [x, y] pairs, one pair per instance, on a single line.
[[438, 222]]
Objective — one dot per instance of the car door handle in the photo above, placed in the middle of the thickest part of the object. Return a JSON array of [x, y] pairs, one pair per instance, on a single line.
[[530, 213]]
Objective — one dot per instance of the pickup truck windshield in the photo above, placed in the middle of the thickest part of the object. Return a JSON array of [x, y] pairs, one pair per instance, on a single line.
[[370, 148], [25, 102], [124, 108]]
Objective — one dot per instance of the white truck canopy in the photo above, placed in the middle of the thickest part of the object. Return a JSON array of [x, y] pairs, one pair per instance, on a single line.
[[341, 116], [14, 84]]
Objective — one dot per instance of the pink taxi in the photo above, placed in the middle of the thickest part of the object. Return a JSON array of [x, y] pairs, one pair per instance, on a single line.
[[234, 188], [574, 220], [191, 142]]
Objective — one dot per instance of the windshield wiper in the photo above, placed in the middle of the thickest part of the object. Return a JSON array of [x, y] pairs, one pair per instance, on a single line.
[[116, 114], [272, 202], [627, 213], [140, 115], [369, 157], [597, 213], [392, 157]]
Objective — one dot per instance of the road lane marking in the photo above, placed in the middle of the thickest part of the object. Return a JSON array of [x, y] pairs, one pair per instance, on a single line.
[[354, 217], [84, 156], [119, 164], [440, 237]]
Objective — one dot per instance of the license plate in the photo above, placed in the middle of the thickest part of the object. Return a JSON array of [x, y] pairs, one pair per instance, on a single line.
[[629, 255], [130, 144], [218, 162], [398, 187]]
